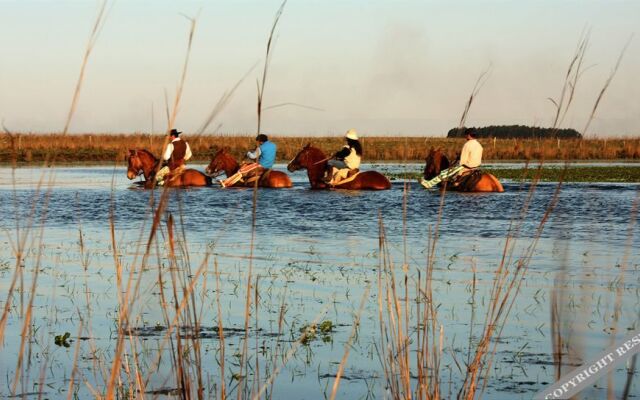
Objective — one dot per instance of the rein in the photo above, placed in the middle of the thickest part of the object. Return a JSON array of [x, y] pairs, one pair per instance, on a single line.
[[321, 161]]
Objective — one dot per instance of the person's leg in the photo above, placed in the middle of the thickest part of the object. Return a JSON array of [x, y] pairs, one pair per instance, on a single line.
[[160, 175], [443, 176], [332, 169], [235, 178], [341, 174], [253, 173]]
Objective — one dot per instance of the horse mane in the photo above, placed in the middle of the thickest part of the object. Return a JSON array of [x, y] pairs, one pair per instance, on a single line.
[[444, 161], [148, 153], [315, 151], [434, 166]]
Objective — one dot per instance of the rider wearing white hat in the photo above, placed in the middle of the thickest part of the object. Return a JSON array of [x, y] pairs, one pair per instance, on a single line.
[[347, 159], [351, 134]]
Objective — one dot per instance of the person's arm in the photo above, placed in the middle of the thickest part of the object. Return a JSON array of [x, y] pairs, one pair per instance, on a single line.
[[254, 155], [187, 154], [167, 153], [343, 153]]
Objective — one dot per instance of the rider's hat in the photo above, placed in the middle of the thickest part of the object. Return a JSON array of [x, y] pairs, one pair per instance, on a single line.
[[351, 134], [174, 132]]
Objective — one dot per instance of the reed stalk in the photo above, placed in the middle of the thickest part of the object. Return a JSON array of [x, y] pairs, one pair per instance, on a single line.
[[482, 79], [347, 345], [93, 37], [573, 74], [261, 83], [612, 74]]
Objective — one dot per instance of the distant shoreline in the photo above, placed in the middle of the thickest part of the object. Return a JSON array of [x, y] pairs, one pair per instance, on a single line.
[[109, 148]]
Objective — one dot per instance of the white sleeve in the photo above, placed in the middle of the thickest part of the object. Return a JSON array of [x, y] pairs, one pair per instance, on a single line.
[[167, 152], [187, 154], [255, 154]]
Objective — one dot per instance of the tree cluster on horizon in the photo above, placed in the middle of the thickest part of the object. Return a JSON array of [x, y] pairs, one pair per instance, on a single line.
[[518, 132]]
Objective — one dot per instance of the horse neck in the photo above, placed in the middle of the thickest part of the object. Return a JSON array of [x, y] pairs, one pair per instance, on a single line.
[[434, 161], [149, 163], [315, 171], [231, 166], [444, 162]]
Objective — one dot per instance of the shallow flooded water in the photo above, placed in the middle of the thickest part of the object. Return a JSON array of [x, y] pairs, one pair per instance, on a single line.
[[314, 254]]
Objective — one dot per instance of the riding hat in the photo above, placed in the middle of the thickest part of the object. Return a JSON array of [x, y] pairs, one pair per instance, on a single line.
[[351, 134], [175, 132]]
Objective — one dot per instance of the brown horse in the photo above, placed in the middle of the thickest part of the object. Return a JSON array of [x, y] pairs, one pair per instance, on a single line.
[[436, 161], [223, 162], [315, 162], [142, 162]]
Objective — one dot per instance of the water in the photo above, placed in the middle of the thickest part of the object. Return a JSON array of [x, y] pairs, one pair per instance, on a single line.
[[314, 252]]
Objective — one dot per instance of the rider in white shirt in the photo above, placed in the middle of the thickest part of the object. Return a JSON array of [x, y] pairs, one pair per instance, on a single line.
[[175, 155], [346, 159], [470, 159], [471, 154]]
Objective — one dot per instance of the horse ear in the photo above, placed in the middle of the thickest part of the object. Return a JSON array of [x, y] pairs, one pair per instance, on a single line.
[[132, 152], [308, 145]]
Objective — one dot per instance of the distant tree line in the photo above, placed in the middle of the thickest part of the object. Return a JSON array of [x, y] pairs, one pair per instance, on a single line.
[[518, 131]]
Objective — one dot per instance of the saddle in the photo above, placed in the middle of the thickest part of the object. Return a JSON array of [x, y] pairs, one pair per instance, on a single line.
[[467, 182], [343, 176], [173, 175], [261, 178]]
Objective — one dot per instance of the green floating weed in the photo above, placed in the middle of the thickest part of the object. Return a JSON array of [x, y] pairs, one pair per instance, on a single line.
[[61, 340], [311, 332], [326, 326]]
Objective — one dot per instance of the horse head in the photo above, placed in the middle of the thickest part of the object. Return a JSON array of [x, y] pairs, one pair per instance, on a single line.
[[140, 161], [135, 166], [435, 162], [307, 158], [221, 162]]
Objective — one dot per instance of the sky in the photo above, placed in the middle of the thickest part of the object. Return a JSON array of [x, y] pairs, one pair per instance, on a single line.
[[394, 67]]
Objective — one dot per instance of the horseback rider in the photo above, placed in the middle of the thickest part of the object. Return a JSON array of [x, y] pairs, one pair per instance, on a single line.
[[470, 160], [174, 157], [265, 156], [346, 160]]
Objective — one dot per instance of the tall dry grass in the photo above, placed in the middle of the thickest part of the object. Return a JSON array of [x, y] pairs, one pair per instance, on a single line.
[[34, 148], [408, 315]]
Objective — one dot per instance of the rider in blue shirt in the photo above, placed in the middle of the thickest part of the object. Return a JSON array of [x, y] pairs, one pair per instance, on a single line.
[[265, 154]]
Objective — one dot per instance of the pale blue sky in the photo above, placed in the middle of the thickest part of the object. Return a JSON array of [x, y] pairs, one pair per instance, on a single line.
[[382, 67]]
